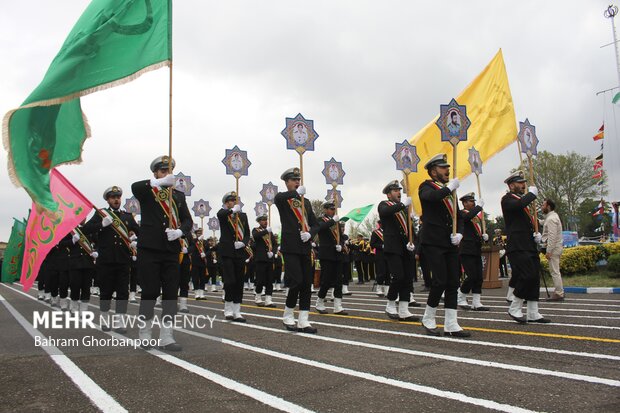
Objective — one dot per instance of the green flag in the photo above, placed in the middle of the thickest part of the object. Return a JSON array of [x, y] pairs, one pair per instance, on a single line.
[[113, 42], [14, 253], [357, 214], [616, 98]]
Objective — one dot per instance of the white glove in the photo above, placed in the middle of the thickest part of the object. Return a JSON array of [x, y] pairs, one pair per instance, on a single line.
[[184, 250], [239, 245], [481, 203], [347, 242], [406, 201], [236, 208], [94, 254], [133, 244], [173, 234], [203, 255], [214, 261], [248, 260], [301, 190], [502, 253], [537, 237], [485, 237], [313, 244], [413, 215], [454, 184], [75, 238], [201, 238], [133, 237], [168, 180], [410, 246], [268, 229], [106, 221], [339, 248], [533, 190], [269, 254], [305, 236], [134, 258], [455, 239], [279, 248], [336, 218]]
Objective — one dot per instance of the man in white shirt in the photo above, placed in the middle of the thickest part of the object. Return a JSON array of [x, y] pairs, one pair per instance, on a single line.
[[552, 238]]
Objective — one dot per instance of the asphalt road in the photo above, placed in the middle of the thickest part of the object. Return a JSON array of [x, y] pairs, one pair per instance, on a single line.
[[362, 362]]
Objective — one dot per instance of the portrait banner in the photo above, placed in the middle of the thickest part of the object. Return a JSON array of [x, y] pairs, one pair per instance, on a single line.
[[299, 134]]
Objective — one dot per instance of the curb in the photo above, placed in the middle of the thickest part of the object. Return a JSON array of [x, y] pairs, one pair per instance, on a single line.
[[588, 290]]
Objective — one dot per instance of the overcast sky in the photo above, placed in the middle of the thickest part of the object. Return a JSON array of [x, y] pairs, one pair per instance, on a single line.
[[369, 73]]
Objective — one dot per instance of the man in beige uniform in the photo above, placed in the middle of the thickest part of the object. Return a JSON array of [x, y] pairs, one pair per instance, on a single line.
[[552, 238]]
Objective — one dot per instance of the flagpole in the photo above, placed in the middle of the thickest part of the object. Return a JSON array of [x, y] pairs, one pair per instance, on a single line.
[[535, 212], [303, 203], [335, 199], [484, 229], [454, 205], [409, 226], [170, 140]]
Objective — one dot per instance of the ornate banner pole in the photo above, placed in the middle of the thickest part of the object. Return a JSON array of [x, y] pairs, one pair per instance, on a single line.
[[407, 160], [237, 163], [268, 194], [201, 209], [334, 175], [453, 124], [529, 144]]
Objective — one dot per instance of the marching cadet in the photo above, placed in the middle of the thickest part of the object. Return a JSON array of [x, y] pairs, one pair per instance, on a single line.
[[382, 279], [522, 249], [398, 251], [470, 252], [111, 226], [164, 221], [441, 245], [263, 258], [235, 235], [330, 250], [212, 263], [81, 268], [199, 265], [299, 225]]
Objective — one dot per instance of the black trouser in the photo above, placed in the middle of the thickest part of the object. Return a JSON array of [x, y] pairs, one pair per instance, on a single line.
[[346, 272], [426, 270], [381, 269], [184, 272], [80, 280], [159, 273], [249, 269], [525, 274], [233, 270], [298, 277], [264, 277], [361, 271], [133, 278], [503, 267], [401, 268], [472, 264], [199, 279], [370, 269], [41, 277], [331, 277], [113, 277], [444, 263], [277, 272], [57, 282], [212, 270]]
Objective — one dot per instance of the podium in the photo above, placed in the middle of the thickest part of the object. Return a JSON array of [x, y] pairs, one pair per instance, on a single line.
[[490, 267]]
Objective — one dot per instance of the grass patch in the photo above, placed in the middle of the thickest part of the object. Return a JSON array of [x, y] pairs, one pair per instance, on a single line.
[[592, 279]]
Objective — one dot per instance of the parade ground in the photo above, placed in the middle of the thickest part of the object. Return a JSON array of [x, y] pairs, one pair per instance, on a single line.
[[361, 362]]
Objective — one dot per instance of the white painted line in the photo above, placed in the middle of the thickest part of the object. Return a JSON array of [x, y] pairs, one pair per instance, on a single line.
[[99, 397]]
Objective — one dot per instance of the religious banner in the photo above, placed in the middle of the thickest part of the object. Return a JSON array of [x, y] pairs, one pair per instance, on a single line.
[[213, 224], [268, 193], [132, 205], [184, 184], [406, 157], [333, 172], [260, 208], [527, 138], [335, 197], [299, 134], [201, 208], [236, 162]]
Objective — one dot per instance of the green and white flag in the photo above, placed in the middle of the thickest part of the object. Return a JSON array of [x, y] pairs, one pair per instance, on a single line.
[[357, 214], [113, 42], [14, 253]]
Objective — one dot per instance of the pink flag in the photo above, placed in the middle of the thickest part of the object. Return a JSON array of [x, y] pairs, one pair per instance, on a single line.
[[45, 229]]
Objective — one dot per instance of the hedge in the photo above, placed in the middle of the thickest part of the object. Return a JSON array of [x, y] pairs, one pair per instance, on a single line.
[[577, 260]]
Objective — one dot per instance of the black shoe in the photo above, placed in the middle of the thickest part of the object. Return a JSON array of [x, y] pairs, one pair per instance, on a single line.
[[146, 346], [229, 318], [307, 330], [239, 320], [261, 304], [106, 328], [271, 306], [409, 319], [291, 327], [431, 331], [464, 307], [349, 293], [342, 313], [321, 311], [520, 320], [461, 334], [184, 311], [171, 347], [414, 304], [480, 308], [541, 320], [392, 316], [120, 330]]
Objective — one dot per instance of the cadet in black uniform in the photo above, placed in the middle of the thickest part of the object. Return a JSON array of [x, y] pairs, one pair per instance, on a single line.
[[470, 252], [376, 242], [115, 250], [235, 235], [263, 259], [297, 232], [159, 246], [521, 249], [441, 246], [81, 269], [330, 253], [398, 251]]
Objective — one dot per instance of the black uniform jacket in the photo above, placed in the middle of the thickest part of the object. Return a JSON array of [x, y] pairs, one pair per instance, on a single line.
[[110, 246], [437, 219], [471, 244], [226, 246], [519, 225], [291, 227]]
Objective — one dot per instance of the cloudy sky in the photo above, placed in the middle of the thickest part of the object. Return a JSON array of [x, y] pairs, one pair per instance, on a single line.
[[369, 73]]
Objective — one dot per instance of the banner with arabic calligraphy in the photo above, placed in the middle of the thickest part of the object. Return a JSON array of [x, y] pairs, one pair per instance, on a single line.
[[45, 230]]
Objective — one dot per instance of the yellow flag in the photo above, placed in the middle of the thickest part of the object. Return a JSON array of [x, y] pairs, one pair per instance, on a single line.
[[493, 125]]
